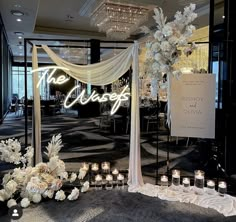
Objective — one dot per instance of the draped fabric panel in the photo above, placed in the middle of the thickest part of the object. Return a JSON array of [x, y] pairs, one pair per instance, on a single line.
[[36, 112], [102, 73], [99, 74]]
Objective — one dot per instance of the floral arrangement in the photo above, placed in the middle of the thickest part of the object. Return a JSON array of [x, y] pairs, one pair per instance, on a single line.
[[31, 184], [164, 51]]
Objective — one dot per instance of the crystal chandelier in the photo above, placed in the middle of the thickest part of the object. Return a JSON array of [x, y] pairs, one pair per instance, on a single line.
[[118, 20]]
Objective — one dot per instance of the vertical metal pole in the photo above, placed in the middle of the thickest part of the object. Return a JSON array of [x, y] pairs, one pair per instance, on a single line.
[[26, 99], [157, 147]]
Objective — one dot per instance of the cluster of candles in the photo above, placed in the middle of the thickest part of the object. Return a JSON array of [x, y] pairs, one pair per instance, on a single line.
[[105, 176], [199, 179]]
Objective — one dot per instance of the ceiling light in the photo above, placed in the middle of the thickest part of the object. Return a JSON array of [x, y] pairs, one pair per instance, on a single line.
[[223, 16], [18, 20], [118, 20], [19, 33], [19, 37], [17, 13]]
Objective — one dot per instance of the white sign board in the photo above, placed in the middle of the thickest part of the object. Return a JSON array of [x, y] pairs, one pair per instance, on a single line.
[[192, 105]]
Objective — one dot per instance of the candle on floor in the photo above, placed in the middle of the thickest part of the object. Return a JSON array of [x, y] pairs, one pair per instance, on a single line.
[[109, 182], [95, 167], [210, 187], [120, 181], [175, 178], [98, 182], [106, 167], [164, 181], [186, 184], [199, 181], [222, 188], [85, 166]]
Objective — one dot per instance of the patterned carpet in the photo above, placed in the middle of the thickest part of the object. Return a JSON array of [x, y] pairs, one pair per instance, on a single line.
[[85, 140]]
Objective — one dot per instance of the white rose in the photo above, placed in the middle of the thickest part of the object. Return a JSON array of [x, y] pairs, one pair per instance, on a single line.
[[82, 173], [73, 177], [60, 195], [85, 187], [74, 194], [4, 195], [11, 203], [165, 46], [36, 198], [25, 202], [10, 187]]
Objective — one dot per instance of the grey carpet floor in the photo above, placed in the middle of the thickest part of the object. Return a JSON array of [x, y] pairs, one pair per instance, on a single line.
[[118, 206]]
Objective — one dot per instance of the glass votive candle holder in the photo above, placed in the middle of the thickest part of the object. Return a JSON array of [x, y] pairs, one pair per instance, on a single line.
[[109, 182], [106, 167], [210, 186], [222, 188], [164, 181], [175, 179], [85, 166], [186, 184], [98, 182], [199, 177], [115, 173], [120, 181], [95, 167]]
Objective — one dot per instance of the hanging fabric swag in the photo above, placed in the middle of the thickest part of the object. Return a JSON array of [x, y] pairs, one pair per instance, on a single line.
[[99, 74]]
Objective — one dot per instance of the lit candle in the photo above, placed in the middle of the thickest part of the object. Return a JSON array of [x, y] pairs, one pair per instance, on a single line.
[[211, 184], [106, 166], [115, 171], [98, 177], [164, 178], [109, 177], [222, 188], [222, 184], [186, 182], [176, 173], [120, 177], [199, 181], [95, 167], [85, 166]]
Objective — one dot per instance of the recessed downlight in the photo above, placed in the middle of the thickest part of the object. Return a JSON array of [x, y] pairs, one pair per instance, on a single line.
[[20, 37], [17, 13], [19, 20], [19, 33]]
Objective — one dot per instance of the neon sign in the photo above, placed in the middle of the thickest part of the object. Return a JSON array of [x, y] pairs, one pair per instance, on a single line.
[[81, 98]]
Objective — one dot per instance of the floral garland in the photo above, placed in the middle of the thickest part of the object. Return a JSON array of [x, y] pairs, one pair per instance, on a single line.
[[45, 180], [164, 51]]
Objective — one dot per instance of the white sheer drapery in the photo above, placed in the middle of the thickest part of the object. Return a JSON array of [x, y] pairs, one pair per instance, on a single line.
[[102, 73]]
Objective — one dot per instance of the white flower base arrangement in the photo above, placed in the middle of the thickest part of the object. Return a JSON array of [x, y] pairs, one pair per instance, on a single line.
[[32, 184]]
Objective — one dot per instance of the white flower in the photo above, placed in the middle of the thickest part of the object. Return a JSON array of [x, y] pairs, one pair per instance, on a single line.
[[82, 173], [73, 177], [74, 194], [60, 195], [155, 47], [158, 35], [54, 146], [48, 193], [36, 198], [11, 203], [6, 178], [56, 166], [4, 195], [167, 30], [25, 202], [56, 184], [156, 66], [158, 57], [64, 175], [29, 155], [11, 187], [165, 46], [85, 187]]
